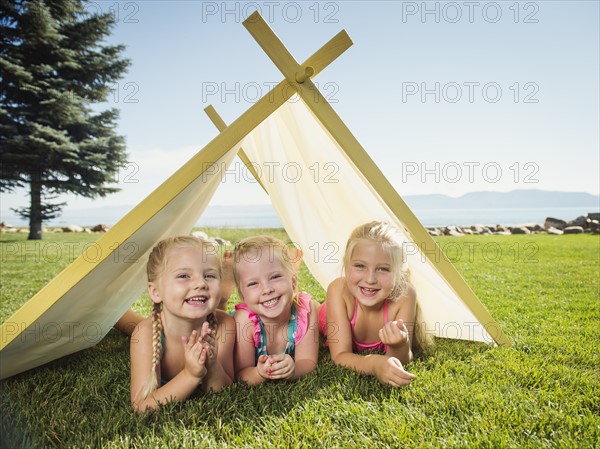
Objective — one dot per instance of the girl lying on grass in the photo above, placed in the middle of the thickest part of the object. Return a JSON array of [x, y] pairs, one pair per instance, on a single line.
[[184, 345], [372, 307], [277, 329]]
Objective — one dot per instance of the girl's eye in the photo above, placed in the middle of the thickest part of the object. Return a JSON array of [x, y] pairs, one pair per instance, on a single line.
[[182, 276], [251, 284], [210, 276], [359, 265], [385, 269], [276, 276]]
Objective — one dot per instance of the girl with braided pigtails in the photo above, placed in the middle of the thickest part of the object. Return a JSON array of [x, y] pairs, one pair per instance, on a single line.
[[186, 344]]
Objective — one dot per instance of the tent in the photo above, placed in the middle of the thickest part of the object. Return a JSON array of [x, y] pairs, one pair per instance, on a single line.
[[322, 184]]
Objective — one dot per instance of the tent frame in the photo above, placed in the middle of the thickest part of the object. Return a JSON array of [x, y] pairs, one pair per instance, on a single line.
[[297, 81]]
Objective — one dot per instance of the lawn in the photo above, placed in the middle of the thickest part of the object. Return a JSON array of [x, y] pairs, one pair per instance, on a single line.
[[543, 391]]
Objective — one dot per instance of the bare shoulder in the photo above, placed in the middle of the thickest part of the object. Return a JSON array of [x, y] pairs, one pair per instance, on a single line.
[[241, 316], [225, 321], [141, 338], [404, 303], [223, 317], [410, 293], [143, 328], [336, 286], [314, 306], [339, 297]]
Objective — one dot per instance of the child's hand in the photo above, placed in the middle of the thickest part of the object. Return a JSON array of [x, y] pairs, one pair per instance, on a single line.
[[262, 367], [394, 333], [280, 366], [195, 356], [209, 343], [391, 372]]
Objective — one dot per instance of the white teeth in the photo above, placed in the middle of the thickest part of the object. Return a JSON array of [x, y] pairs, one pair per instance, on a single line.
[[270, 302], [197, 298]]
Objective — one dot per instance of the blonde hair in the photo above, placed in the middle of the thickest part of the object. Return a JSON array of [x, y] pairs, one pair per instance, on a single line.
[[157, 262], [391, 242], [252, 249]]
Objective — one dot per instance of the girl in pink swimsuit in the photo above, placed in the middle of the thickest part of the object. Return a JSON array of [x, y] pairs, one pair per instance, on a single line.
[[277, 327], [372, 307]]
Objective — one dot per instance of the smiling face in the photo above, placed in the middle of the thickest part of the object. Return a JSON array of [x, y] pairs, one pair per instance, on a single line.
[[188, 284], [369, 274], [264, 284]]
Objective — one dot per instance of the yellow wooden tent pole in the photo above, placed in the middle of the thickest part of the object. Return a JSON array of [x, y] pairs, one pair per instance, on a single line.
[[214, 116], [319, 106], [144, 211], [159, 198]]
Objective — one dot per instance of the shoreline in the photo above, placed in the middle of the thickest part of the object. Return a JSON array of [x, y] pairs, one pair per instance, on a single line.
[[588, 224]]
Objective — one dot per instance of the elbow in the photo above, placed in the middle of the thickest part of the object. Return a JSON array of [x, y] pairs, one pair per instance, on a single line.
[[140, 408], [141, 405], [337, 359]]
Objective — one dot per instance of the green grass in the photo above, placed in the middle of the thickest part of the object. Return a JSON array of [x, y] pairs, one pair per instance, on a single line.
[[544, 391]]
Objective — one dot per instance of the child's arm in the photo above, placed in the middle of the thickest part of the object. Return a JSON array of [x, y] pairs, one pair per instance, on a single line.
[[306, 354], [398, 334], [220, 354], [387, 369], [128, 322], [245, 368], [180, 387]]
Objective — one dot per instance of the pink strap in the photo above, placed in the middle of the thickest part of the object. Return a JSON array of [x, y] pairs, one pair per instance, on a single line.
[[254, 318], [303, 312]]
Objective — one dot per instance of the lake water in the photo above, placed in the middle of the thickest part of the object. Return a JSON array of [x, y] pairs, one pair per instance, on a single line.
[[263, 216]]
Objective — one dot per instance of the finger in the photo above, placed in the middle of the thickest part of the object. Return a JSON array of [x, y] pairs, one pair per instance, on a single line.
[[400, 382], [209, 340], [386, 334], [194, 337], [383, 333], [196, 349], [210, 349], [188, 342], [397, 384], [202, 357], [263, 358], [276, 367], [400, 324], [403, 375]]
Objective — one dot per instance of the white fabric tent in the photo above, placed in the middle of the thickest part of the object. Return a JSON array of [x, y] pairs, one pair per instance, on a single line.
[[323, 185], [320, 196]]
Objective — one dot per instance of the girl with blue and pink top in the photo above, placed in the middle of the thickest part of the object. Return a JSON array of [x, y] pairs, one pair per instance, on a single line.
[[277, 327], [372, 307]]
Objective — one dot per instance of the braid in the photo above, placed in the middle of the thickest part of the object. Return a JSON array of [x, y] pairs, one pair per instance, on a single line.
[[213, 323], [152, 383]]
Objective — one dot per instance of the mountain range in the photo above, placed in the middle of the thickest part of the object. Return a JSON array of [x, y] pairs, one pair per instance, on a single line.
[[518, 206], [526, 198]]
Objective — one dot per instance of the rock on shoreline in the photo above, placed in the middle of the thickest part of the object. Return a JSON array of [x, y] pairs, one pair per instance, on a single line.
[[588, 224]]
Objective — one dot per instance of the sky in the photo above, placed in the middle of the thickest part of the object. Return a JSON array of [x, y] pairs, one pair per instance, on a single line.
[[446, 97]]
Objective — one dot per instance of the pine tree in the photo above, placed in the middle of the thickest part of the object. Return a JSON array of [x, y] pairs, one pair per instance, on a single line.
[[54, 66]]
